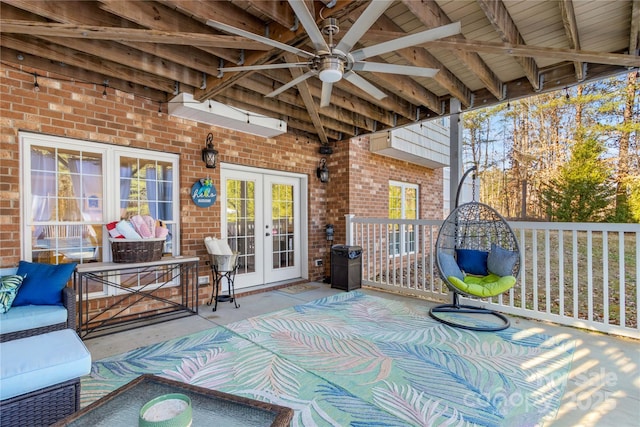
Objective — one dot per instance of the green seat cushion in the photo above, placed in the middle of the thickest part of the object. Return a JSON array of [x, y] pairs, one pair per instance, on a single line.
[[483, 286]]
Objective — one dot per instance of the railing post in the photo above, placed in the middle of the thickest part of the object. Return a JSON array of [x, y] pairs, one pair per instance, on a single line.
[[349, 229]]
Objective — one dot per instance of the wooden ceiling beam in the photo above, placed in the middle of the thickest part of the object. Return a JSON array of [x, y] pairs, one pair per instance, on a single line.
[[24, 59], [295, 120], [392, 103], [499, 17], [634, 32], [159, 17], [276, 32], [605, 58], [119, 34], [179, 58], [78, 12], [571, 30], [432, 16], [556, 77], [260, 84], [285, 111], [133, 58], [75, 58], [187, 56], [420, 57], [409, 90], [231, 15], [307, 98], [273, 10], [361, 118], [223, 11], [609, 58]]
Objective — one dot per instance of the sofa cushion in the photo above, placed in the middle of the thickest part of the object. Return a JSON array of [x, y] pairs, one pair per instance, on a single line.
[[43, 283], [27, 317], [8, 290], [31, 363], [472, 261]]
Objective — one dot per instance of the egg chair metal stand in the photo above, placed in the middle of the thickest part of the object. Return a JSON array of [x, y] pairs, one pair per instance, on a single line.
[[472, 226]]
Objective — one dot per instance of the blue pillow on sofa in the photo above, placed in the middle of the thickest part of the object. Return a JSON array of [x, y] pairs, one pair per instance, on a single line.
[[43, 283], [472, 261]]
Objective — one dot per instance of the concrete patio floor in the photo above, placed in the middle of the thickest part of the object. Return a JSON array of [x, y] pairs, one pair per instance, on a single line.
[[603, 387]]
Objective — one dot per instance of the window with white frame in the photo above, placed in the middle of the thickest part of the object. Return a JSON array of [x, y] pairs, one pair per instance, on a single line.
[[72, 188], [403, 204]]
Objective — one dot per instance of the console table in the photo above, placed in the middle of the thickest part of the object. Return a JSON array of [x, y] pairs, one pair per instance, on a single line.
[[136, 300]]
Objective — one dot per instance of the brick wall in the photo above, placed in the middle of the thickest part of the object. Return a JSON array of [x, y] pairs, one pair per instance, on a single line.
[[358, 179], [362, 188], [78, 110]]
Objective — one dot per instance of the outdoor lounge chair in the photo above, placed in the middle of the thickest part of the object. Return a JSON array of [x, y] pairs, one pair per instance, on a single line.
[[477, 256]]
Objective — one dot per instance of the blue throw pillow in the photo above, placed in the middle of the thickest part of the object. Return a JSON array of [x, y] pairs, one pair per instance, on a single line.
[[472, 261], [9, 286], [501, 261], [43, 283], [449, 266]]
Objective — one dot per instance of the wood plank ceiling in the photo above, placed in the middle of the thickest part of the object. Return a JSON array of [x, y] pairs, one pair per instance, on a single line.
[[508, 49]]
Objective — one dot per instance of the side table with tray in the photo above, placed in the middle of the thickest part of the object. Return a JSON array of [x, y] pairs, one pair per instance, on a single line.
[[122, 407]]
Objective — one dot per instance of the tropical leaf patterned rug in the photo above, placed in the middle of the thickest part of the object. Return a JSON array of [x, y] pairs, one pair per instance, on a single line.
[[359, 360]]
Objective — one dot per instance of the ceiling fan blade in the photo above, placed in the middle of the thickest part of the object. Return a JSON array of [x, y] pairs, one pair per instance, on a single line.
[[362, 24], [308, 22], [325, 98], [406, 70], [292, 83], [406, 41], [237, 31], [266, 66], [363, 84]]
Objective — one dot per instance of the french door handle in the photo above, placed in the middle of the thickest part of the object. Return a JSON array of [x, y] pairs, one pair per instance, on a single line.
[[267, 234]]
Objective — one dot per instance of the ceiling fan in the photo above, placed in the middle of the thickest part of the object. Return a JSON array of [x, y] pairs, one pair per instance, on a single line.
[[332, 62]]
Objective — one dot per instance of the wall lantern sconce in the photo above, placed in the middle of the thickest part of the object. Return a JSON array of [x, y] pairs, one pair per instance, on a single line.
[[209, 154], [323, 172]]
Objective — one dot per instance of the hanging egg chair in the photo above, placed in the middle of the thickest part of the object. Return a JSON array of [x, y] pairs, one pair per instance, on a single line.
[[477, 256]]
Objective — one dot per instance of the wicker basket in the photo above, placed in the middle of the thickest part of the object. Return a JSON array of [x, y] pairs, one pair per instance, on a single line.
[[134, 250]]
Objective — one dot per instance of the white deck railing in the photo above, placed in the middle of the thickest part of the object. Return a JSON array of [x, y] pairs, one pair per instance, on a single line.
[[584, 275]]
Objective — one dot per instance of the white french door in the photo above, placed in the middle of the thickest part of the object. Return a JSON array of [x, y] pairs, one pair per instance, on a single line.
[[262, 218]]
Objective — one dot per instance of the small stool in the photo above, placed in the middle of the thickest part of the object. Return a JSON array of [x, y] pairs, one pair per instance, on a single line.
[[40, 378]]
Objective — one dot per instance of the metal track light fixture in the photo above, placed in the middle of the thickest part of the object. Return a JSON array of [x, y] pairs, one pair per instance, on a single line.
[[209, 154], [323, 172]]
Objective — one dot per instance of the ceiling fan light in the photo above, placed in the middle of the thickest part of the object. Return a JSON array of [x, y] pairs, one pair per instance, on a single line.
[[330, 76], [331, 70]]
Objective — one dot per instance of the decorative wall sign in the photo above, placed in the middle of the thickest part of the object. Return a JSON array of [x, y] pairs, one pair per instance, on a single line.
[[204, 193]]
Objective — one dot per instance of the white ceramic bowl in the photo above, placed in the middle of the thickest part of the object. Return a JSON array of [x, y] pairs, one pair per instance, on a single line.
[[168, 410]]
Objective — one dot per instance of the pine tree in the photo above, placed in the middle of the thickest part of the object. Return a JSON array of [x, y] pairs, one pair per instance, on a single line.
[[582, 192]]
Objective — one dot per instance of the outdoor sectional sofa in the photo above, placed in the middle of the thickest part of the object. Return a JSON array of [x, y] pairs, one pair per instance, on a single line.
[[42, 359], [29, 320]]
